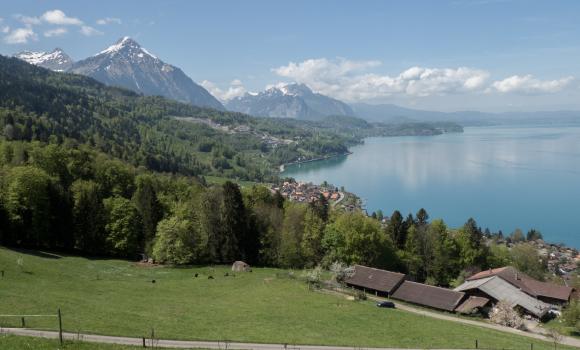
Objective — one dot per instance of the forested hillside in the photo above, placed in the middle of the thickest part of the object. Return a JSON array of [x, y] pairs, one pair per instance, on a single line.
[[40, 105]]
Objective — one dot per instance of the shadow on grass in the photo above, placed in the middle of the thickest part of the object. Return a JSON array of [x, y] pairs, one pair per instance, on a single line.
[[36, 253]]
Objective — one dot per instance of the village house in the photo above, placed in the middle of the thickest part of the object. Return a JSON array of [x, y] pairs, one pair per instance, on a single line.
[[529, 295]]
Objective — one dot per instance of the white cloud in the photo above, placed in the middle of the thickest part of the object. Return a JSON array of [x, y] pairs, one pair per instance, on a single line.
[[90, 31], [347, 80], [27, 20], [528, 84], [60, 18], [20, 36], [235, 89], [108, 20], [5, 29], [55, 32]]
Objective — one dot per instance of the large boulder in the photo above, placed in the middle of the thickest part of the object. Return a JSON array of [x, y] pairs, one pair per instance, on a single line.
[[240, 266]]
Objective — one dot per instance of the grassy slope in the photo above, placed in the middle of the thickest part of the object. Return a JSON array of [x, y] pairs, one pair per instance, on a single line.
[[117, 298]]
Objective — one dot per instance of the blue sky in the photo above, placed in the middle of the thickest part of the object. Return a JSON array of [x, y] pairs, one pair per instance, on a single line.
[[490, 55]]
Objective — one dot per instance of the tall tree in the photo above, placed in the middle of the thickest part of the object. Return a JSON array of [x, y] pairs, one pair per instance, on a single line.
[[354, 238], [238, 242], [149, 207], [312, 238], [123, 226], [88, 217], [28, 205], [396, 229], [422, 217], [291, 237]]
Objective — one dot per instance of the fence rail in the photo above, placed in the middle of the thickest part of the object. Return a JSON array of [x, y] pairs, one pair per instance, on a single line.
[[57, 315]]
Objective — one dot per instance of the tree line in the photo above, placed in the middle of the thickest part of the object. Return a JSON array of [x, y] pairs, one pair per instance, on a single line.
[[77, 199]]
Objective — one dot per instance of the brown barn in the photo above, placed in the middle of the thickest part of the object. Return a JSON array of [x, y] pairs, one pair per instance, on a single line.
[[547, 292], [379, 282], [430, 296]]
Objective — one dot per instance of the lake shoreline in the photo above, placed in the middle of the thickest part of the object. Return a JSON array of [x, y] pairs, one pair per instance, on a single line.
[[282, 167], [529, 171]]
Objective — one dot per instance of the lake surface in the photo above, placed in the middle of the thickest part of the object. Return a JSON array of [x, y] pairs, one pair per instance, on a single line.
[[504, 177]]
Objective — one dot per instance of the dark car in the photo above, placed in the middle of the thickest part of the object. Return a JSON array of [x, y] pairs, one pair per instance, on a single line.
[[387, 304]]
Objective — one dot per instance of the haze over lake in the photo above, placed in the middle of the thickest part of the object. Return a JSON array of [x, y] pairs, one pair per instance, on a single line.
[[504, 177]]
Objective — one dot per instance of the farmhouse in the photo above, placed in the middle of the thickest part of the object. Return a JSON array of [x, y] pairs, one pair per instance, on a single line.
[[547, 292], [426, 295], [379, 282], [531, 296]]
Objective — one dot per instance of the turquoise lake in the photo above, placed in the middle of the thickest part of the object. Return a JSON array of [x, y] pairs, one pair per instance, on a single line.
[[504, 177]]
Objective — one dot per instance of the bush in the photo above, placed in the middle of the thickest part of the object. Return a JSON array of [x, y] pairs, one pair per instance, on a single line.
[[571, 315], [503, 314], [360, 295]]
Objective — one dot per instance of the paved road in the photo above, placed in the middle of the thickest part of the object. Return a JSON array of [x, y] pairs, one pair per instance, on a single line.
[[179, 344]]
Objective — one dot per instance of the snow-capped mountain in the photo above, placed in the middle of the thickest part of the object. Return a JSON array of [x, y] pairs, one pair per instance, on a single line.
[[289, 101], [56, 60], [131, 66]]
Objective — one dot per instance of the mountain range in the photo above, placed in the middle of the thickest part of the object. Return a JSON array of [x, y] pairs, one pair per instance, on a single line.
[[289, 101], [56, 60], [127, 64]]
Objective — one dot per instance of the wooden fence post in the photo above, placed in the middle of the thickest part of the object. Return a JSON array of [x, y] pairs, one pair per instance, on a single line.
[[59, 326], [144, 343], [23, 323], [476, 344]]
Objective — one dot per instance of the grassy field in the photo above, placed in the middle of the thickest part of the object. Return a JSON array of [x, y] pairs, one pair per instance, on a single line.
[[11, 342], [115, 297]]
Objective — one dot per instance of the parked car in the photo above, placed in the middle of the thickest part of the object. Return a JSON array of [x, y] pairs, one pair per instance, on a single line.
[[387, 304]]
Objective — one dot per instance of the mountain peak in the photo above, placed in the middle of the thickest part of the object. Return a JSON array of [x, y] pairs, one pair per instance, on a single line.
[[296, 89], [126, 45], [289, 100], [129, 65], [56, 60]]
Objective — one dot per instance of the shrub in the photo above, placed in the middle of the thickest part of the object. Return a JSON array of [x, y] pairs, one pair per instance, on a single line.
[[571, 315], [360, 295], [503, 314]]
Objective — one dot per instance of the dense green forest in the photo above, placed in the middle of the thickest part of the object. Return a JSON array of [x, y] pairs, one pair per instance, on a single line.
[[40, 105]]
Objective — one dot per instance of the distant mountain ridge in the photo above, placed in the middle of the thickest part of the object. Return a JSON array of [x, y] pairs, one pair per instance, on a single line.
[[127, 64], [293, 100], [389, 113], [56, 60]]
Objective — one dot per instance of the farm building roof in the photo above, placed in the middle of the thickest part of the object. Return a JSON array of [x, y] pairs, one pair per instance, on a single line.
[[526, 283], [499, 289], [471, 303], [422, 294], [375, 279]]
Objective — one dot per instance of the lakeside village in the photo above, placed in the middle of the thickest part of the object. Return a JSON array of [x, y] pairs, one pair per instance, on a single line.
[[561, 260], [305, 192]]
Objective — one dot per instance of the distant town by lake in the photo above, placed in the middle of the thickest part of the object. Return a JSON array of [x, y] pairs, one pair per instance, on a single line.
[[505, 177]]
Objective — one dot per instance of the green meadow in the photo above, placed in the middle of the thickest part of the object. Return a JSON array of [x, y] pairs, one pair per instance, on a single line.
[[115, 297]]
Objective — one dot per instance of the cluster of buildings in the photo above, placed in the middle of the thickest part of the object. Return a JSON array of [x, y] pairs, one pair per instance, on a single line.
[[307, 192], [477, 294], [561, 260]]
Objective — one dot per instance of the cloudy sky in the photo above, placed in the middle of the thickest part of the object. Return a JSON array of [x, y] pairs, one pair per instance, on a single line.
[[491, 55]]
